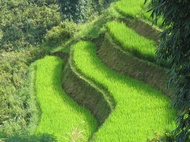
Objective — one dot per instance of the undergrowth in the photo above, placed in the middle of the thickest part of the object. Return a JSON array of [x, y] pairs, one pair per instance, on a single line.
[[17, 102]]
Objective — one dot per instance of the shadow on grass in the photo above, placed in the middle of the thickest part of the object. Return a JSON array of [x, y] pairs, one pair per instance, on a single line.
[[32, 138]]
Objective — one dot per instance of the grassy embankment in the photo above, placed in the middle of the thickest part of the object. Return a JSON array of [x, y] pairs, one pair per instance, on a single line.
[[131, 41], [131, 8], [127, 64], [60, 115], [136, 9], [87, 93], [140, 110]]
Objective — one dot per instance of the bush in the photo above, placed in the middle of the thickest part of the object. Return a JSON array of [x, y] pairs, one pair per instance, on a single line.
[[16, 110], [32, 138], [25, 23], [60, 33]]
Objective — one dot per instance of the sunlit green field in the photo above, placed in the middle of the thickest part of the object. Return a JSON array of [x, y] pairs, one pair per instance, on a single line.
[[129, 7], [131, 41], [136, 8], [140, 109], [60, 115]]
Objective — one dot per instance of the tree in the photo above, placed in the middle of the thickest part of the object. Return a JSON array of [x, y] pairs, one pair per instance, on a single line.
[[175, 48], [24, 23], [77, 10], [80, 10]]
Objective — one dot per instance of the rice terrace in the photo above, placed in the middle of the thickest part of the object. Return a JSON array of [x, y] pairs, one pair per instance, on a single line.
[[85, 76]]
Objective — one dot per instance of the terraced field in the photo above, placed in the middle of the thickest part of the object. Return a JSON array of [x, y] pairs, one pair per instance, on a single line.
[[131, 8], [131, 41], [95, 95], [135, 8], [60, 115], [134, 116]]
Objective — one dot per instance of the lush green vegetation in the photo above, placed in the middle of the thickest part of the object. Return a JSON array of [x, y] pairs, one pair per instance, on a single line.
[[29, 30], [24, 24], [140, 110], [60, 115], [32, 138], [131, 8], [79, 11], [17, 102], [131, 41], [22, 27], [136, 8], [61, 33], [174, 46]]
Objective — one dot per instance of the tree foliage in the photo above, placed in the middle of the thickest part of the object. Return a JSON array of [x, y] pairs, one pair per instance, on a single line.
[[175, 47], [80, 10], [60, 33], [17, 106], [24, 23]]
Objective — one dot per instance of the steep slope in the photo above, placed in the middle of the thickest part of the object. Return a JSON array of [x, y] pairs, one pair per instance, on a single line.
[[87, 93], [140, 109], [60, 115], [125, 63]]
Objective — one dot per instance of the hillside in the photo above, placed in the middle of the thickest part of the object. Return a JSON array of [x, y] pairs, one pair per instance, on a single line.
[[93, 81]]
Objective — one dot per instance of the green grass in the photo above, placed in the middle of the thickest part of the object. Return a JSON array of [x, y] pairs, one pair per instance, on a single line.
[[60, 115], [131, 41], [136, 8], [140, 109], [131, 8]]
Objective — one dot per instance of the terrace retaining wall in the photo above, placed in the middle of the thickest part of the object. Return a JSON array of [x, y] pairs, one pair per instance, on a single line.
[[127, 64], [85, 94]]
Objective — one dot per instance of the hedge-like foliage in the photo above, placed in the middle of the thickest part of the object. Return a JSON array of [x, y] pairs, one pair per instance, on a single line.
[[175, 47], [80, 10], [17, 105], [24, 24]]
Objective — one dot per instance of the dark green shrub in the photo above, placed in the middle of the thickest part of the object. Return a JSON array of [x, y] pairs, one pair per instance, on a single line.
[[32, 138], [60, 33], [16, 103], [80, 10], [26, 23], [166, 137]]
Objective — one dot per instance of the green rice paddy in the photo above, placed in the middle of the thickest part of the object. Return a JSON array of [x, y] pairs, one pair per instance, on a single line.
[[140, 112], [131, 41], [131, 8], [60, 115], [136, 9]]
